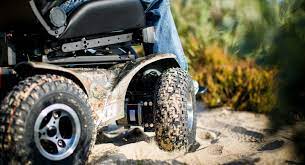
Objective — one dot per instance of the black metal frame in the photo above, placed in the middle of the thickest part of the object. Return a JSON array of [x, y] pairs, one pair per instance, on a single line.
[[88, 60], [73, 52]]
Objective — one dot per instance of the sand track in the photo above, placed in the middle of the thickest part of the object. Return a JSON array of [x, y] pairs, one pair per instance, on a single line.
[[225, 137]]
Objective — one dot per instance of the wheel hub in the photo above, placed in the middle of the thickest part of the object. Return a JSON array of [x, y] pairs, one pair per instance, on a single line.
[[190, 112], [57, 132], [51, 131]]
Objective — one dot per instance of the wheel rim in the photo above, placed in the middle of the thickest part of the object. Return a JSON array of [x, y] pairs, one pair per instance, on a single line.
[[190, 112], [57, 132]]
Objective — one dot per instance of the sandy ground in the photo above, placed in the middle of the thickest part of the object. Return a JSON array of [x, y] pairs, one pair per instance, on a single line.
[[225, 137]]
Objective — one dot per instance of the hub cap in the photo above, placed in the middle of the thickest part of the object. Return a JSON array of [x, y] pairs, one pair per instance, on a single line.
[[57, 132], [190, 112]]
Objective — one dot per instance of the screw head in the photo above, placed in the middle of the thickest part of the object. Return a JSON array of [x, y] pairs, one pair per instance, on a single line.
[[55, 115], [61, 143]]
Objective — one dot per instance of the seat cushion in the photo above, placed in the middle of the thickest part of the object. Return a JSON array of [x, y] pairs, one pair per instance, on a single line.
[[104, 16]]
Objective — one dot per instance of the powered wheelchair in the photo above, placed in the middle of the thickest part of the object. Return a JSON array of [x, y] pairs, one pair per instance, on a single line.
[[65, 77]]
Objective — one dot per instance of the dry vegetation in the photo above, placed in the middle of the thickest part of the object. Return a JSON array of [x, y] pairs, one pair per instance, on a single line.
[[232, 82], [227, 43]]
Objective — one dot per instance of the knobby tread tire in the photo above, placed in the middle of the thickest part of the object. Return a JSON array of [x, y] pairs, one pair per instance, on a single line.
[[15, 115], [171, 94]]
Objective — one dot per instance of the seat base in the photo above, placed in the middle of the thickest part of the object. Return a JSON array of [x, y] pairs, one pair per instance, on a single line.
[[104, 16]]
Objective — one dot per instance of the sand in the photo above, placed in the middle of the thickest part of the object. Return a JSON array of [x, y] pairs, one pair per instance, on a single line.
[[225, 137]]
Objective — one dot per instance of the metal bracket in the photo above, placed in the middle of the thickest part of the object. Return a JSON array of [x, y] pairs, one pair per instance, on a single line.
[[149, 35], [11, 55], [93, 43], [7, 51]]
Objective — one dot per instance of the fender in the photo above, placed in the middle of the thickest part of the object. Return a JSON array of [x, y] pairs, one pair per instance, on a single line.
[[30, 68], [115, 104]]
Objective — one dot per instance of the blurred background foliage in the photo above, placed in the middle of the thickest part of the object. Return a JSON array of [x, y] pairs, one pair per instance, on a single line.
[[241, 50], [250, 54]]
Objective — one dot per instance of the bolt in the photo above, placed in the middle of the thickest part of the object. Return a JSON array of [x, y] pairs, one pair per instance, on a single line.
[[145, 103], [146, 125], [151, 125], [150, 104], [55, 114], [61, 143]]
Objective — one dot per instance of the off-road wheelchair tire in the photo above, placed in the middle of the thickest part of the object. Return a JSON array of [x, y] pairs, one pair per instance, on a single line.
[[33, 114], [175, 118]]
